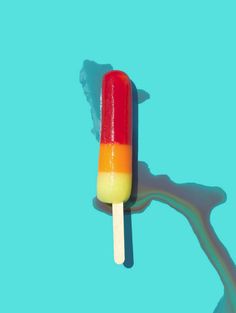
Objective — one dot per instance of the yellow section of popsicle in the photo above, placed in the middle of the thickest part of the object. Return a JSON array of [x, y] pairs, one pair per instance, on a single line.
[[114, 187]]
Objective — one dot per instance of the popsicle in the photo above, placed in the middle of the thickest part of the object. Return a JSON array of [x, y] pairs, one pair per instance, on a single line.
[[114, 181]]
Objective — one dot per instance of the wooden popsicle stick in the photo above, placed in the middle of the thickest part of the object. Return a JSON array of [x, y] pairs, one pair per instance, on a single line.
[[118, 232]]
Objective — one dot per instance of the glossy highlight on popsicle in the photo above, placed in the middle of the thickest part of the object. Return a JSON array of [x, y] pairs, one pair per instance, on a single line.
[[114, 180], [116, 108]]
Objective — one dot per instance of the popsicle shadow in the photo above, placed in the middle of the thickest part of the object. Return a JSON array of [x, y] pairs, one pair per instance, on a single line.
[[129, 255]]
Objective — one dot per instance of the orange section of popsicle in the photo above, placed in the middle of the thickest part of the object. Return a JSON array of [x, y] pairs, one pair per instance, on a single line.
[[115, 158]]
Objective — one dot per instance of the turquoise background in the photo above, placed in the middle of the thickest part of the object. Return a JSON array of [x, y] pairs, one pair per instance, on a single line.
[[55, 248]]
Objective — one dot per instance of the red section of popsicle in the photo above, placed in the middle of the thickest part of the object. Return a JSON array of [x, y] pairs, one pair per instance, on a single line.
[[116, 116]]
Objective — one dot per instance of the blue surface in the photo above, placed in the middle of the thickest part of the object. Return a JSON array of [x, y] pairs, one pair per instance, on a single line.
[[56, 249]]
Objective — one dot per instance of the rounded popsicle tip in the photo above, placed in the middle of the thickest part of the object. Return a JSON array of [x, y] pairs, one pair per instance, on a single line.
[[116, 74]]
